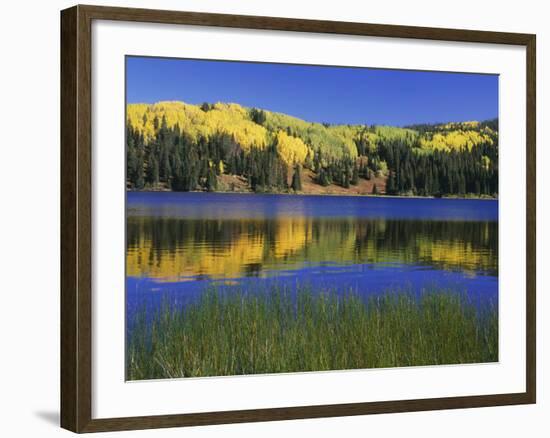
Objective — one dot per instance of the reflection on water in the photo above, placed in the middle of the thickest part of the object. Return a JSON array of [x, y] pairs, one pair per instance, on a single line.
[[186, 239], [172, 248]]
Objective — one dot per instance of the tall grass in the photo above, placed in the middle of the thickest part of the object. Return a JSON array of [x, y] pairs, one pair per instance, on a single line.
[[282, 331]]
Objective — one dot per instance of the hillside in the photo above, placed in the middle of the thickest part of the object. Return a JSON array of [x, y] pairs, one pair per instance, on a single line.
[[225, 146]]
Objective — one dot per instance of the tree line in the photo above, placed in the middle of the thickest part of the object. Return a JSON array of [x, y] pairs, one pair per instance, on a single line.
[[455, 172], [177, 161]]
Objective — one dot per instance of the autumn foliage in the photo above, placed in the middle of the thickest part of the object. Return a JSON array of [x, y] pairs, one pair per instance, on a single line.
[[181, 146]]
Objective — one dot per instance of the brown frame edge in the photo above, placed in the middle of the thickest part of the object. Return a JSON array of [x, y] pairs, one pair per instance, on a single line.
[[76, 191]]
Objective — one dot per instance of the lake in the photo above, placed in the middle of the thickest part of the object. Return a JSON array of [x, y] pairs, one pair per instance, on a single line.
[[178, 244]]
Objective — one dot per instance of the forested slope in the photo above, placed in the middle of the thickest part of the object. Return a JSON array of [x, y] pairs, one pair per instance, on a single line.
[[228, 147]]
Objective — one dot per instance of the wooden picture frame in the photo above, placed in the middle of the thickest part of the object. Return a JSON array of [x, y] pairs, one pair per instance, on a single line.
[[76, 217]]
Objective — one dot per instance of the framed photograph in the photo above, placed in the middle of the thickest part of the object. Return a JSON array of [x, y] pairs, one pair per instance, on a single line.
[[269, 218]]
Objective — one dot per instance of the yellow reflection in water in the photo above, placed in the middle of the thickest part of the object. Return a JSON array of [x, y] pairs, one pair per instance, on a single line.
[[175, 249]]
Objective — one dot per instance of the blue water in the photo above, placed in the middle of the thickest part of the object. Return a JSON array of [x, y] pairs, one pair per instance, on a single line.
[[242, 206], [178, 244]]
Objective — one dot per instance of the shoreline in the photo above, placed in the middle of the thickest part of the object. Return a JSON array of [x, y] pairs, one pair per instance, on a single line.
[[334, 195], [415, 327]]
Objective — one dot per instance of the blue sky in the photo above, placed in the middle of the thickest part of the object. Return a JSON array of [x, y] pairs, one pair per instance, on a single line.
[[318, 93]]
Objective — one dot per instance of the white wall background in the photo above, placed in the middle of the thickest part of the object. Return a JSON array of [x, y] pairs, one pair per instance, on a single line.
[[29, 215]]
